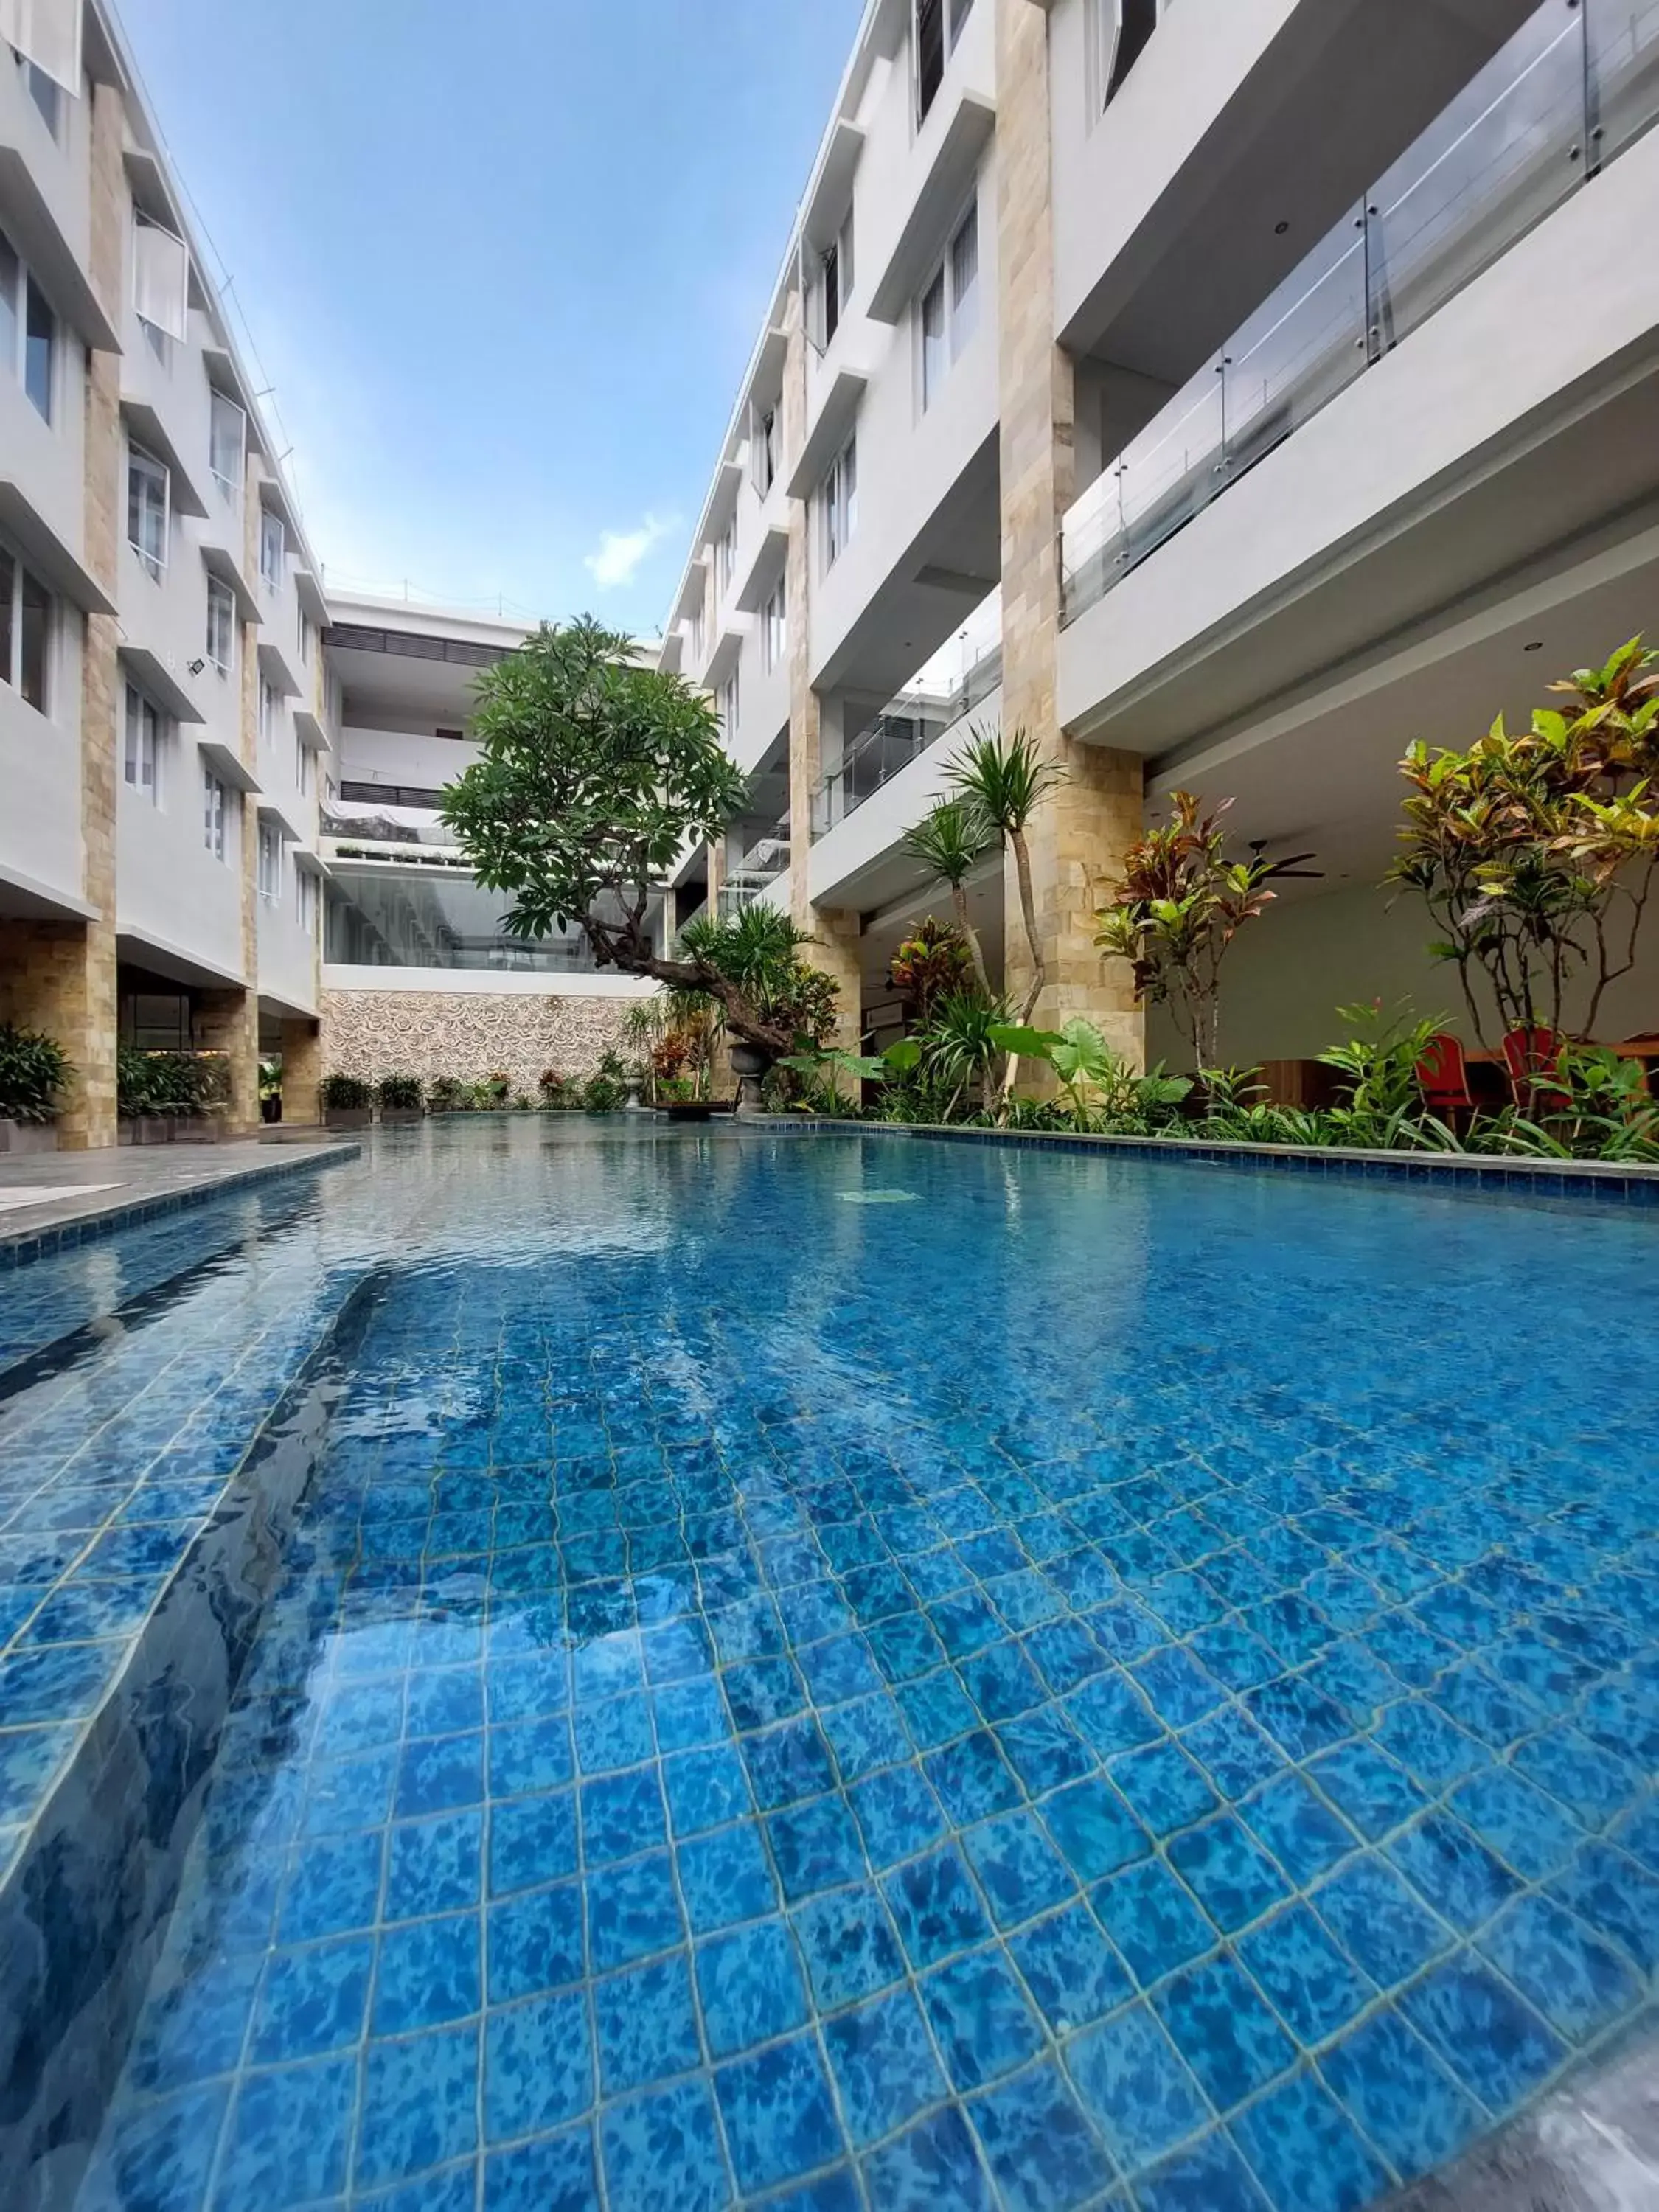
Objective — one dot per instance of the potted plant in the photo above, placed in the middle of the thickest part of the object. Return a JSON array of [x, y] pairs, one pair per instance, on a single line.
[[271, 1090], [348, 1102], [146, 1093], [34, 1072], [401, 1098], [448, 1095], [202, 1081]]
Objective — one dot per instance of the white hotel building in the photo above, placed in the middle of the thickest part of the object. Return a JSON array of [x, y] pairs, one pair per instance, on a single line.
[[1226, 391]]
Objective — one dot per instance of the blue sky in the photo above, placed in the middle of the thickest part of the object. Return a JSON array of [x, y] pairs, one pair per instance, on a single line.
[[503, 263]]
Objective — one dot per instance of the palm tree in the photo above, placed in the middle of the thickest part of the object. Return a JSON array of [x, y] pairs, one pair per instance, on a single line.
[[1003, 781], [949, 843]]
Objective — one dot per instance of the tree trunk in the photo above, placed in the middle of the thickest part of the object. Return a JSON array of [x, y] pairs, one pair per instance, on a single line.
[[1039, 971], [959, 900]]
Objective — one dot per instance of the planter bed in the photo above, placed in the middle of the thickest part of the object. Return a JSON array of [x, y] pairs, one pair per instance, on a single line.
[[25, 1137]]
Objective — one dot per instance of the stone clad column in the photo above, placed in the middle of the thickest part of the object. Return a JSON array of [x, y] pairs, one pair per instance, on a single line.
[[302, 1071], [834, 946], [1080, 834]]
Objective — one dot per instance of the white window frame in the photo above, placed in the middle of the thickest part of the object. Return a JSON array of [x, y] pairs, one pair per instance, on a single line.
[[953, 21], [1109, 26], [305, 638], [833, 289], [730, 707], [143, 741], [225, 417], [725, 558], [273, 546], [268, 864], [958, 306], [838, 504], [48, 95], [269, 696], [16, 341], [215, 813], [147, 470], [160, 277], [764, 430], [774, 627], [309, 901], [221, 609], [15, 580]]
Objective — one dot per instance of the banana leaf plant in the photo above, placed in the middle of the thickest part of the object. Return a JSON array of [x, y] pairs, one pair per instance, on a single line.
[[1083, 1063]]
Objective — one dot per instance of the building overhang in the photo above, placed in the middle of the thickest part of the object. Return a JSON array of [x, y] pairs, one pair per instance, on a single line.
[[146, 428], [58, 564], [229, 765], [279, 670], [831, 189], [728, 648], [926, 231], [723, 498], [311, 596], [162, 957], [270, 811], [152, 673], [310, 731], [693, 588], [26, 898], [219, 561], [760, 580], [33, 232], [828, 434]]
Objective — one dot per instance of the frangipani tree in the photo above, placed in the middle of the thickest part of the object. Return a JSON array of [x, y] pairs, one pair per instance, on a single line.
[[1180, 905], [595, 771], [1535, 850]]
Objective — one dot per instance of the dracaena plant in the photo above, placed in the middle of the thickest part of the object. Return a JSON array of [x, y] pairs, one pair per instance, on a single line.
[[1534, 850], [931, 965], [1179, 905], [949, 843]]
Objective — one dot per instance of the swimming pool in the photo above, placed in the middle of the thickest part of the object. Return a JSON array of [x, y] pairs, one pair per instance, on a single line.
[[854, 1672]]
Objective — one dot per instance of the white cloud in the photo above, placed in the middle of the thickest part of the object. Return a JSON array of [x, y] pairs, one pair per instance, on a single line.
[[617, 561]]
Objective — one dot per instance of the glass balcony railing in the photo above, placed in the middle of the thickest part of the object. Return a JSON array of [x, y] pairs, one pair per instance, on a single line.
[[1577, 85], [764, 861], [911, 722]]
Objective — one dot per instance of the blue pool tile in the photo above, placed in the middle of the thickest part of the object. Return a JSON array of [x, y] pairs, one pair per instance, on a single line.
[[688, 1714], [438, 1774], [983, 2025], [725, 1878], [313, 2000], [621, 1814], [972, 1778], [815, 1847], [555, 2171], [936, 2163], [445, 1701], [289, 2133], [1577, 1982], [866, 1734], [1233, 1751], [1044, 1750], [883, 2060], [1454, 1871], [1401, 2098], [1111, 1714], [1302, 2148], [937, 1709], [1018, 1869], [787, 1765], [1153, 1919], [780, 2118], [427, 1972], [1135, 2089], [662, 2152], [935, 1907], [1378, 1921], [1494, 2042], [1212, 2177], [195, 2026], [1071, 1968], [1372, 1790], [645, 2024], [632, 1911], [531, 1841], [1297, 1717], [1434, 1749], [1163, 1788], [1593, 1783], [1178, 1688], [1044, 2155], [848, 1945], [705, 1789], [1234, 1878], [1529, 1831], [1093, 1829], [434, 1865], [157, 2157], [897, 1815], [535, 1942], [749, 1985], [1224, 2031], [616, 1732], [1308, 1979], [1301, 1831], [332, 1886], [420, 2101], [1237, 1660], [538, 2066]]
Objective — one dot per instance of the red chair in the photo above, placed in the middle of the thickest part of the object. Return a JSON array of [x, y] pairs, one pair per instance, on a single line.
[[1531, 1057], [1443, 1077]]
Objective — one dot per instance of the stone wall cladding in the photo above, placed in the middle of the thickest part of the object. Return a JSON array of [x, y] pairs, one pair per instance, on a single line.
[[468, 1035]]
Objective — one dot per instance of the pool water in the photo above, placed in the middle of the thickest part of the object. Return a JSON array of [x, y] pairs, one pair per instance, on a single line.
[[1105, 1684]]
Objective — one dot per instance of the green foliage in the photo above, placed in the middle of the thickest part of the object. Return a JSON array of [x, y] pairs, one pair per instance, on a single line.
[[1101, 1089], [931, 965], [179, 1083], [345, 1094], [1535, 850], [1380, 1062], [606, 1088], [1179, 907], [1002, 780], [402, 1093], [35, 1073], [446, 1094], [948, 843], [757, 952]]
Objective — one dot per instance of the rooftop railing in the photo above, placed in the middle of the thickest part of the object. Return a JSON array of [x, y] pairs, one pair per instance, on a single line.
[[1577, 84]]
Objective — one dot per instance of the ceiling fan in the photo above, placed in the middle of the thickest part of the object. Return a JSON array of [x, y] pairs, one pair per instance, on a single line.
[[1290, 868]]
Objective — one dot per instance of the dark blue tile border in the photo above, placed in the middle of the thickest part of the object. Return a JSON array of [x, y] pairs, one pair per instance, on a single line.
[[1445, 1171], [18, 1250]]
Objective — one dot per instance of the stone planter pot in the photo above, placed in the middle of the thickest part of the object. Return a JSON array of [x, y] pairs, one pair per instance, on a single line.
[[348, 1117], [749, 1065], [27, 1137], [393, 1116], [199, 1129], [151, 1129]]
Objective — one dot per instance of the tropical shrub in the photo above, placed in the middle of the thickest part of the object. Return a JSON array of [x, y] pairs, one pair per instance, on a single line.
[[446, 1094], [178, 1083], [950, 842], [934, 963], [35, 1073], [345, 1094], [1177, 910], [1002, 781], [1534, 851], [401, 1093], [606, 1088], [1100, 1087], [757, 954]]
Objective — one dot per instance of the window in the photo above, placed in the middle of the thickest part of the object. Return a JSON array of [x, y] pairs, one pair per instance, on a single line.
[[227, 445], [273, 546], [147, 509], [24, 631], [835, 284], [160, 277], [696, 639], [47, 96], [270, 864], [839, 500], [310, 901], [937, 26], [215, 805], [763, 436], [268, 701], [728, 708], [1125, 28], [141, 760], [28, 329], [725, 554], [774, 628], [305, 639], [302, 768], [221, 625], [949, 313]]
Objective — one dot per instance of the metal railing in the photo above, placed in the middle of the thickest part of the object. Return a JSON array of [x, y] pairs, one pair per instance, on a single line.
[[905, 728], [1577, 85]]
